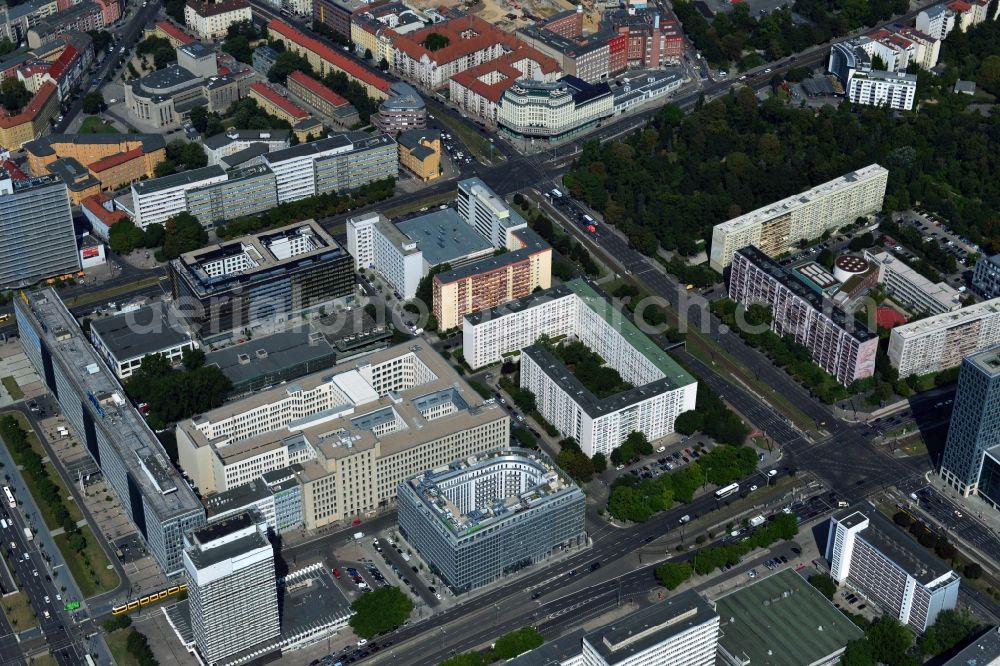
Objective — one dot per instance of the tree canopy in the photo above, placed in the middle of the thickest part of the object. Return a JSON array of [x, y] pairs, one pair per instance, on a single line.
[[172, 394], [379, 611], [183, 233]]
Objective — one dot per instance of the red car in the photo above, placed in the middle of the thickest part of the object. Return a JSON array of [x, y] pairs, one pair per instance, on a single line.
[[336, 572], [357, 521]]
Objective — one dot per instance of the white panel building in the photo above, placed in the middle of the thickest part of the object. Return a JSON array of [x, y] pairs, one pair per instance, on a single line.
[[940, 342], [895, 90], [232, 588], [868, 552], [159, 199], [662, 388]]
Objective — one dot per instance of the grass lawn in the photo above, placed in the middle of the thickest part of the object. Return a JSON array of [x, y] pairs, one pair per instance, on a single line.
[[477, 144], [10, 384], [43, 660], [18, 612], [93, 558], [94, 125], [116, 645], [93, 297], [426, 202], [47, 516]]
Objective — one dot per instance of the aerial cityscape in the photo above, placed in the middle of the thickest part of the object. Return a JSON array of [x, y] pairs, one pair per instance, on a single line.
[[525, 332]]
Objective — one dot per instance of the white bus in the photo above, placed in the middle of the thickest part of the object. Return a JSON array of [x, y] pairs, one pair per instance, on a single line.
[[731, 489], [10, 497]]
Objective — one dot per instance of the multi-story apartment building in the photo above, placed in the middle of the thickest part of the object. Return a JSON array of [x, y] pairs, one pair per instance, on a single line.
[[662, 389], [130, 457], [869, 553], [112, 160], [15, 20], [942, 341], [211, 20], [553, 111], [480, 89], [652, 41], [986, 276], [317, 96], [125, 339], [838, 343], [937, 21], [357, 430], [927, 48], [262, 277], [155, 201], [778, 226], [36, 230], [404, 109], [895, 90], [232, 589], [338, 163], [235, 140], [27, 125], [167, 30], [478, 519], [324, 59], [975, 428], [587, 57], [471, 41], [245, 191], [85, 16], [680, 631], [911, 288], [273, 102]]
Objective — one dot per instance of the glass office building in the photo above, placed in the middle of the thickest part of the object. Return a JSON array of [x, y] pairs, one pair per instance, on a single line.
[[975, 422]]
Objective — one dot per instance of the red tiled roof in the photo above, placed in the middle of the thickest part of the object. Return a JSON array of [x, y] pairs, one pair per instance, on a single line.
[[175, 32], [317, 88], [13, 170], [94, 203], [959, 6], [491, 91], [31, 111], [272, 96], [547, 64], [458, 46], [114, 160], [62, 62], [326, 53]]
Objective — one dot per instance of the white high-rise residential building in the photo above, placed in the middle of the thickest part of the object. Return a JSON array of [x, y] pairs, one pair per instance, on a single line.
[[911, 288], [940, 342], [936, 21], [680, 631], [868, 552], [232, 590], [778, 226], [661, 388], [876, 88]]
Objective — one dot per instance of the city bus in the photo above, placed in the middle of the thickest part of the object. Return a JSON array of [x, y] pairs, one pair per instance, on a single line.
[[10, 497], [731, 489]]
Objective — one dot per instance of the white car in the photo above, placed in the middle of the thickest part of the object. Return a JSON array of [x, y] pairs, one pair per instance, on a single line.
[[620, 467], [753, 488], [661, 449], [362, 643], [767, 71], [773, 472], [47, 600]]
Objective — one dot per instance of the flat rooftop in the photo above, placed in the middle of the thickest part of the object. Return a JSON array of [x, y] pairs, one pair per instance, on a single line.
[[533, 244], [443, 236], [178, 179], [165, 493], [148, 330], [792, 283], [987, 361], [242, 135], [639, 631], [789, 204], [203, 557], [344, 429], [544, 482], [985, 651], [947, 320], [942, 292], [898, 545], [782, 620]]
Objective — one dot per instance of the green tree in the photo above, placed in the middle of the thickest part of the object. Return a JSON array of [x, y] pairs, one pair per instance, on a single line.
[[124, 237], [435, 41], [600, 462], [858, 653], [890, 641], [517, 642], [6, 46], [972, 571], [164, 168], [425, 288], [183, 233], [153, 235], [576, 464], [672, 574], [239, 48], [988, 77], [93, 102], [199, 118], [951, 628], [379, 611], [689, 422], [286, 63], [13, 95], [825, 584]]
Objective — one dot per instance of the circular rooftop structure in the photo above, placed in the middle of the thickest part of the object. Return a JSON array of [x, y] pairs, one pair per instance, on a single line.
[[847, 266]]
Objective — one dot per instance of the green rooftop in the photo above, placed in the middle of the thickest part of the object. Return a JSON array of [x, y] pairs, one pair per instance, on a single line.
[[636, 338], [782, 620]]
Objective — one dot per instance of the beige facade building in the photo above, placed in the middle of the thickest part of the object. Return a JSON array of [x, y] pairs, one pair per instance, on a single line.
[[358, 430], [211, 20], [778, 226]]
